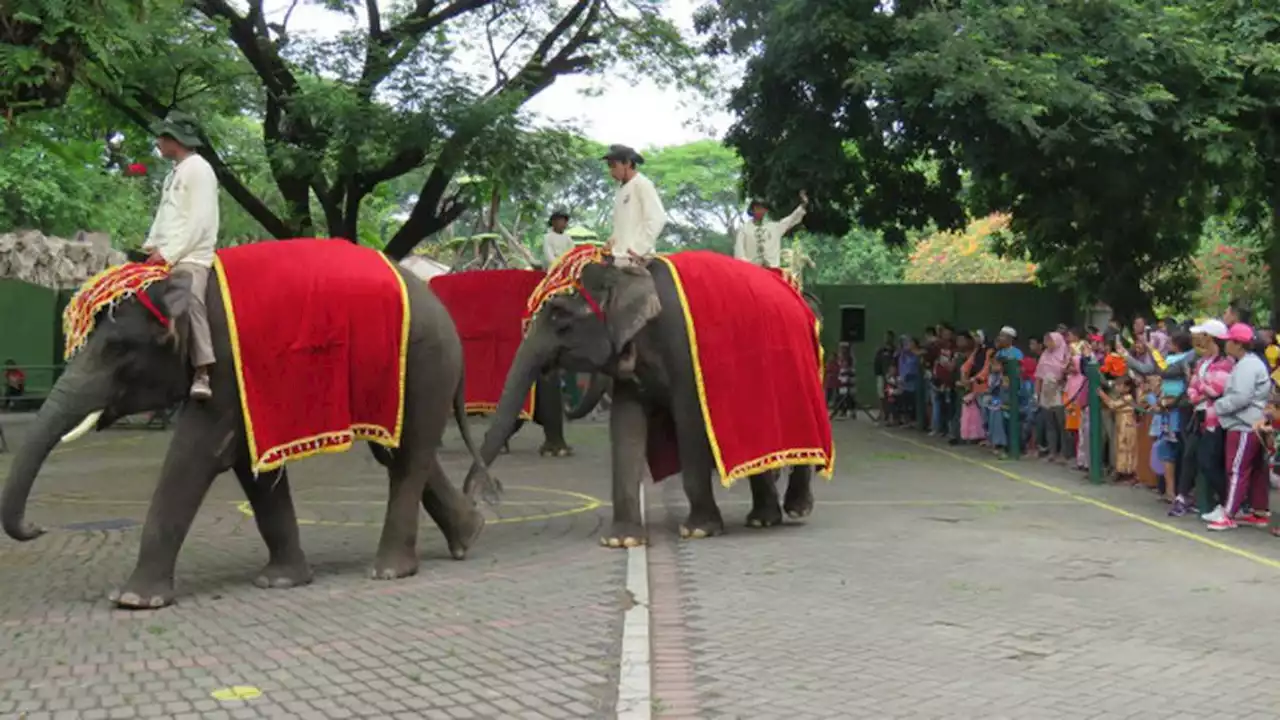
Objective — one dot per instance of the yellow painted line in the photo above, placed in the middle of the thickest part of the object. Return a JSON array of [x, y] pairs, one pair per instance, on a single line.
[[1085, 499], [588, 504], [237, 692]]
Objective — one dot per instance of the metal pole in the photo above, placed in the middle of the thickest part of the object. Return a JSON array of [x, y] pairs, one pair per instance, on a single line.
[[1013, 370], [1095, 422]]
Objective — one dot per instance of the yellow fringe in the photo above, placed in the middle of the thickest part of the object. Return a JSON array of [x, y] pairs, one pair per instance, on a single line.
[[772, 461]]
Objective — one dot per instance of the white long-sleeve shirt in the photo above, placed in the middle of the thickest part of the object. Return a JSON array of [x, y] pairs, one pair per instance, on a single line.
[[554, 245], [762, 244], [638, 218], [186, 226]]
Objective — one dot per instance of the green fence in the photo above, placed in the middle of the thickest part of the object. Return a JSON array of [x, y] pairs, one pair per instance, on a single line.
[[908, 309]]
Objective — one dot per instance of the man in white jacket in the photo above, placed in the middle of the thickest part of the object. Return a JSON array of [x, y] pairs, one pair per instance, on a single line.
[[555, 243], [638, 219], [760, 241], [185, 231]]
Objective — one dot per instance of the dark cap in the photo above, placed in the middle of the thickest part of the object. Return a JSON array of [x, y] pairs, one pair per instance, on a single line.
[[757, 202], [623, 153]]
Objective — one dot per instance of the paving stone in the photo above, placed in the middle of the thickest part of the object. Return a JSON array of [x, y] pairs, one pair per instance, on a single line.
[[538, 595]]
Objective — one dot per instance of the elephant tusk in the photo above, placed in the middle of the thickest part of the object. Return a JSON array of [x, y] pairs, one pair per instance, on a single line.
[[84, 427]]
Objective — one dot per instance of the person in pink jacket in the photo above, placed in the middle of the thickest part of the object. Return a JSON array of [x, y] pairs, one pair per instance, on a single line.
[[1208, 381]]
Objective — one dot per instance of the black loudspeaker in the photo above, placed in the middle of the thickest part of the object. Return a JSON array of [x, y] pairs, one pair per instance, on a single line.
[[853, 323]]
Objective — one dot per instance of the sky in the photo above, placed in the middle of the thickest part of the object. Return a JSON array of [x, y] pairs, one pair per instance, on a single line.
[[641, 115]]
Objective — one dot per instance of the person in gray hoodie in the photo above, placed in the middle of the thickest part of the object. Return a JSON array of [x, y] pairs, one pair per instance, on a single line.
[[1242, 404]]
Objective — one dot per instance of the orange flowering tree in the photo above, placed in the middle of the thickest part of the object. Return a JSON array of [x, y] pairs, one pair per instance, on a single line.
[[1231, 266], [966, 256]]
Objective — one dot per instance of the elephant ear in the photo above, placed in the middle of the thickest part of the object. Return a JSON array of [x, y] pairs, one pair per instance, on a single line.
[[633, 302]]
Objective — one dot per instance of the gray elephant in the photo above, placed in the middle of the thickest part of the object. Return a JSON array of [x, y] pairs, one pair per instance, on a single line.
[[132, 363], [570, 332], [549, 412]]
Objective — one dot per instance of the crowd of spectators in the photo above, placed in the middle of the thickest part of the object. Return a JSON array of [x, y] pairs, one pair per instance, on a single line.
[[1195, 402]]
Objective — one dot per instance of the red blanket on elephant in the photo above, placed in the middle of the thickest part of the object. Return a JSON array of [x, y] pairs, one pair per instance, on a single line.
[[758, 363], [320, 331], [487, 307]]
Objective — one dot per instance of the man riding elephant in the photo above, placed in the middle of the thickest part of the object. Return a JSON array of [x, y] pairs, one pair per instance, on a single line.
[[185, 232], [638, 219], [760, 241]]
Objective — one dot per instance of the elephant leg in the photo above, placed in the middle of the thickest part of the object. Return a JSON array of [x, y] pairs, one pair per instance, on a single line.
[[696, 464], [456, 517], [798, 502], [628, 432], [190, 465], [398, 547], [272, 502], [765, 508], [549, 407]]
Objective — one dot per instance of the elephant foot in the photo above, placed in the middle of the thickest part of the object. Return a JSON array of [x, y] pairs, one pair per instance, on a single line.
[[697, 530], [625, 535], [798, 505], [765, 517], [466, 534], [143, 596], [555, 448], [395, 568], [281, 576]]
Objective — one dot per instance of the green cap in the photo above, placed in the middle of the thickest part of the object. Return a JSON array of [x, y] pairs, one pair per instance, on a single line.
[[180, 126]]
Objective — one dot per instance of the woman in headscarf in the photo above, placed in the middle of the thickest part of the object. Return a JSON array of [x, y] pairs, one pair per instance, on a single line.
[[1051, 374]]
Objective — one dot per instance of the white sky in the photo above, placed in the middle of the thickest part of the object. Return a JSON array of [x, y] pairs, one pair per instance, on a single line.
[[641, 116]]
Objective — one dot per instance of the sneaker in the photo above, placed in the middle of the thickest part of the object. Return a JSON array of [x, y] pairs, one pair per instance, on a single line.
[[200, 389], [1180, 507], [1223, 523], [1253, 520], [1214, 515]]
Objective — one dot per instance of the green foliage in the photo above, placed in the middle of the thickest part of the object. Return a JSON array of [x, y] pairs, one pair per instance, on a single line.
[[60, 186], [859, 257], [1094, 124], [340, 117]]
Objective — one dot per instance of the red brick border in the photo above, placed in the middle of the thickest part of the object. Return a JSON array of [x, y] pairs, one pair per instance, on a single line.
[[674, 694]]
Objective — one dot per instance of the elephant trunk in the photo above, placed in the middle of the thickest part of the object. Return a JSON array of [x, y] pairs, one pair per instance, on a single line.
[[599, 384], [75, 402], [535, 353]]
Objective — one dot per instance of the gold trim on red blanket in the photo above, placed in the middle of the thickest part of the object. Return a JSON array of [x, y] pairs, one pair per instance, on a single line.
[[330, 442], [773, 461]]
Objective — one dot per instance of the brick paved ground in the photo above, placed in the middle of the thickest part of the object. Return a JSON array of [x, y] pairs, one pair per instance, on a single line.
[[528, 626], [928, 587], [924, 586]]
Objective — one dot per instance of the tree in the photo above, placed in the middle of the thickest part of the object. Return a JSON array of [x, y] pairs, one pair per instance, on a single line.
[[1087, 122], [859, 257], [340, 117], [1231, 265], [966, 256], [44, 46], [698, 182]]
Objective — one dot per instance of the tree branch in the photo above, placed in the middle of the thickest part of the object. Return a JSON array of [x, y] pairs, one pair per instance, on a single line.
[[227, 179], [537, 75]]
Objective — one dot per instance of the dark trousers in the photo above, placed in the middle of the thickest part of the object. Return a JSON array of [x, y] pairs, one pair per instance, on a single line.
[[1212, 464]]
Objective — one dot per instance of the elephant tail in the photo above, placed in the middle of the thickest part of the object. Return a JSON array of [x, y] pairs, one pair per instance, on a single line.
[[478, 477]]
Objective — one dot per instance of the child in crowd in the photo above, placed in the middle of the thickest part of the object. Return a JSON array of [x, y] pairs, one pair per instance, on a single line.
[[1165, 429], [889, 400], [1122, 405], [845, 405]]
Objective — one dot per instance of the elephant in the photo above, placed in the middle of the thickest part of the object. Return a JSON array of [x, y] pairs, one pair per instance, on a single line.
[[569, 332], [132, 363]]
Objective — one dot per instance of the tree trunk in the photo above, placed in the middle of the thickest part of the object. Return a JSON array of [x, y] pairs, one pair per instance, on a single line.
[[1273, 260]]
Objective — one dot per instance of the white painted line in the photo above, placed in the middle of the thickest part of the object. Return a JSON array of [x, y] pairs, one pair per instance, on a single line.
[[635, 679]]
